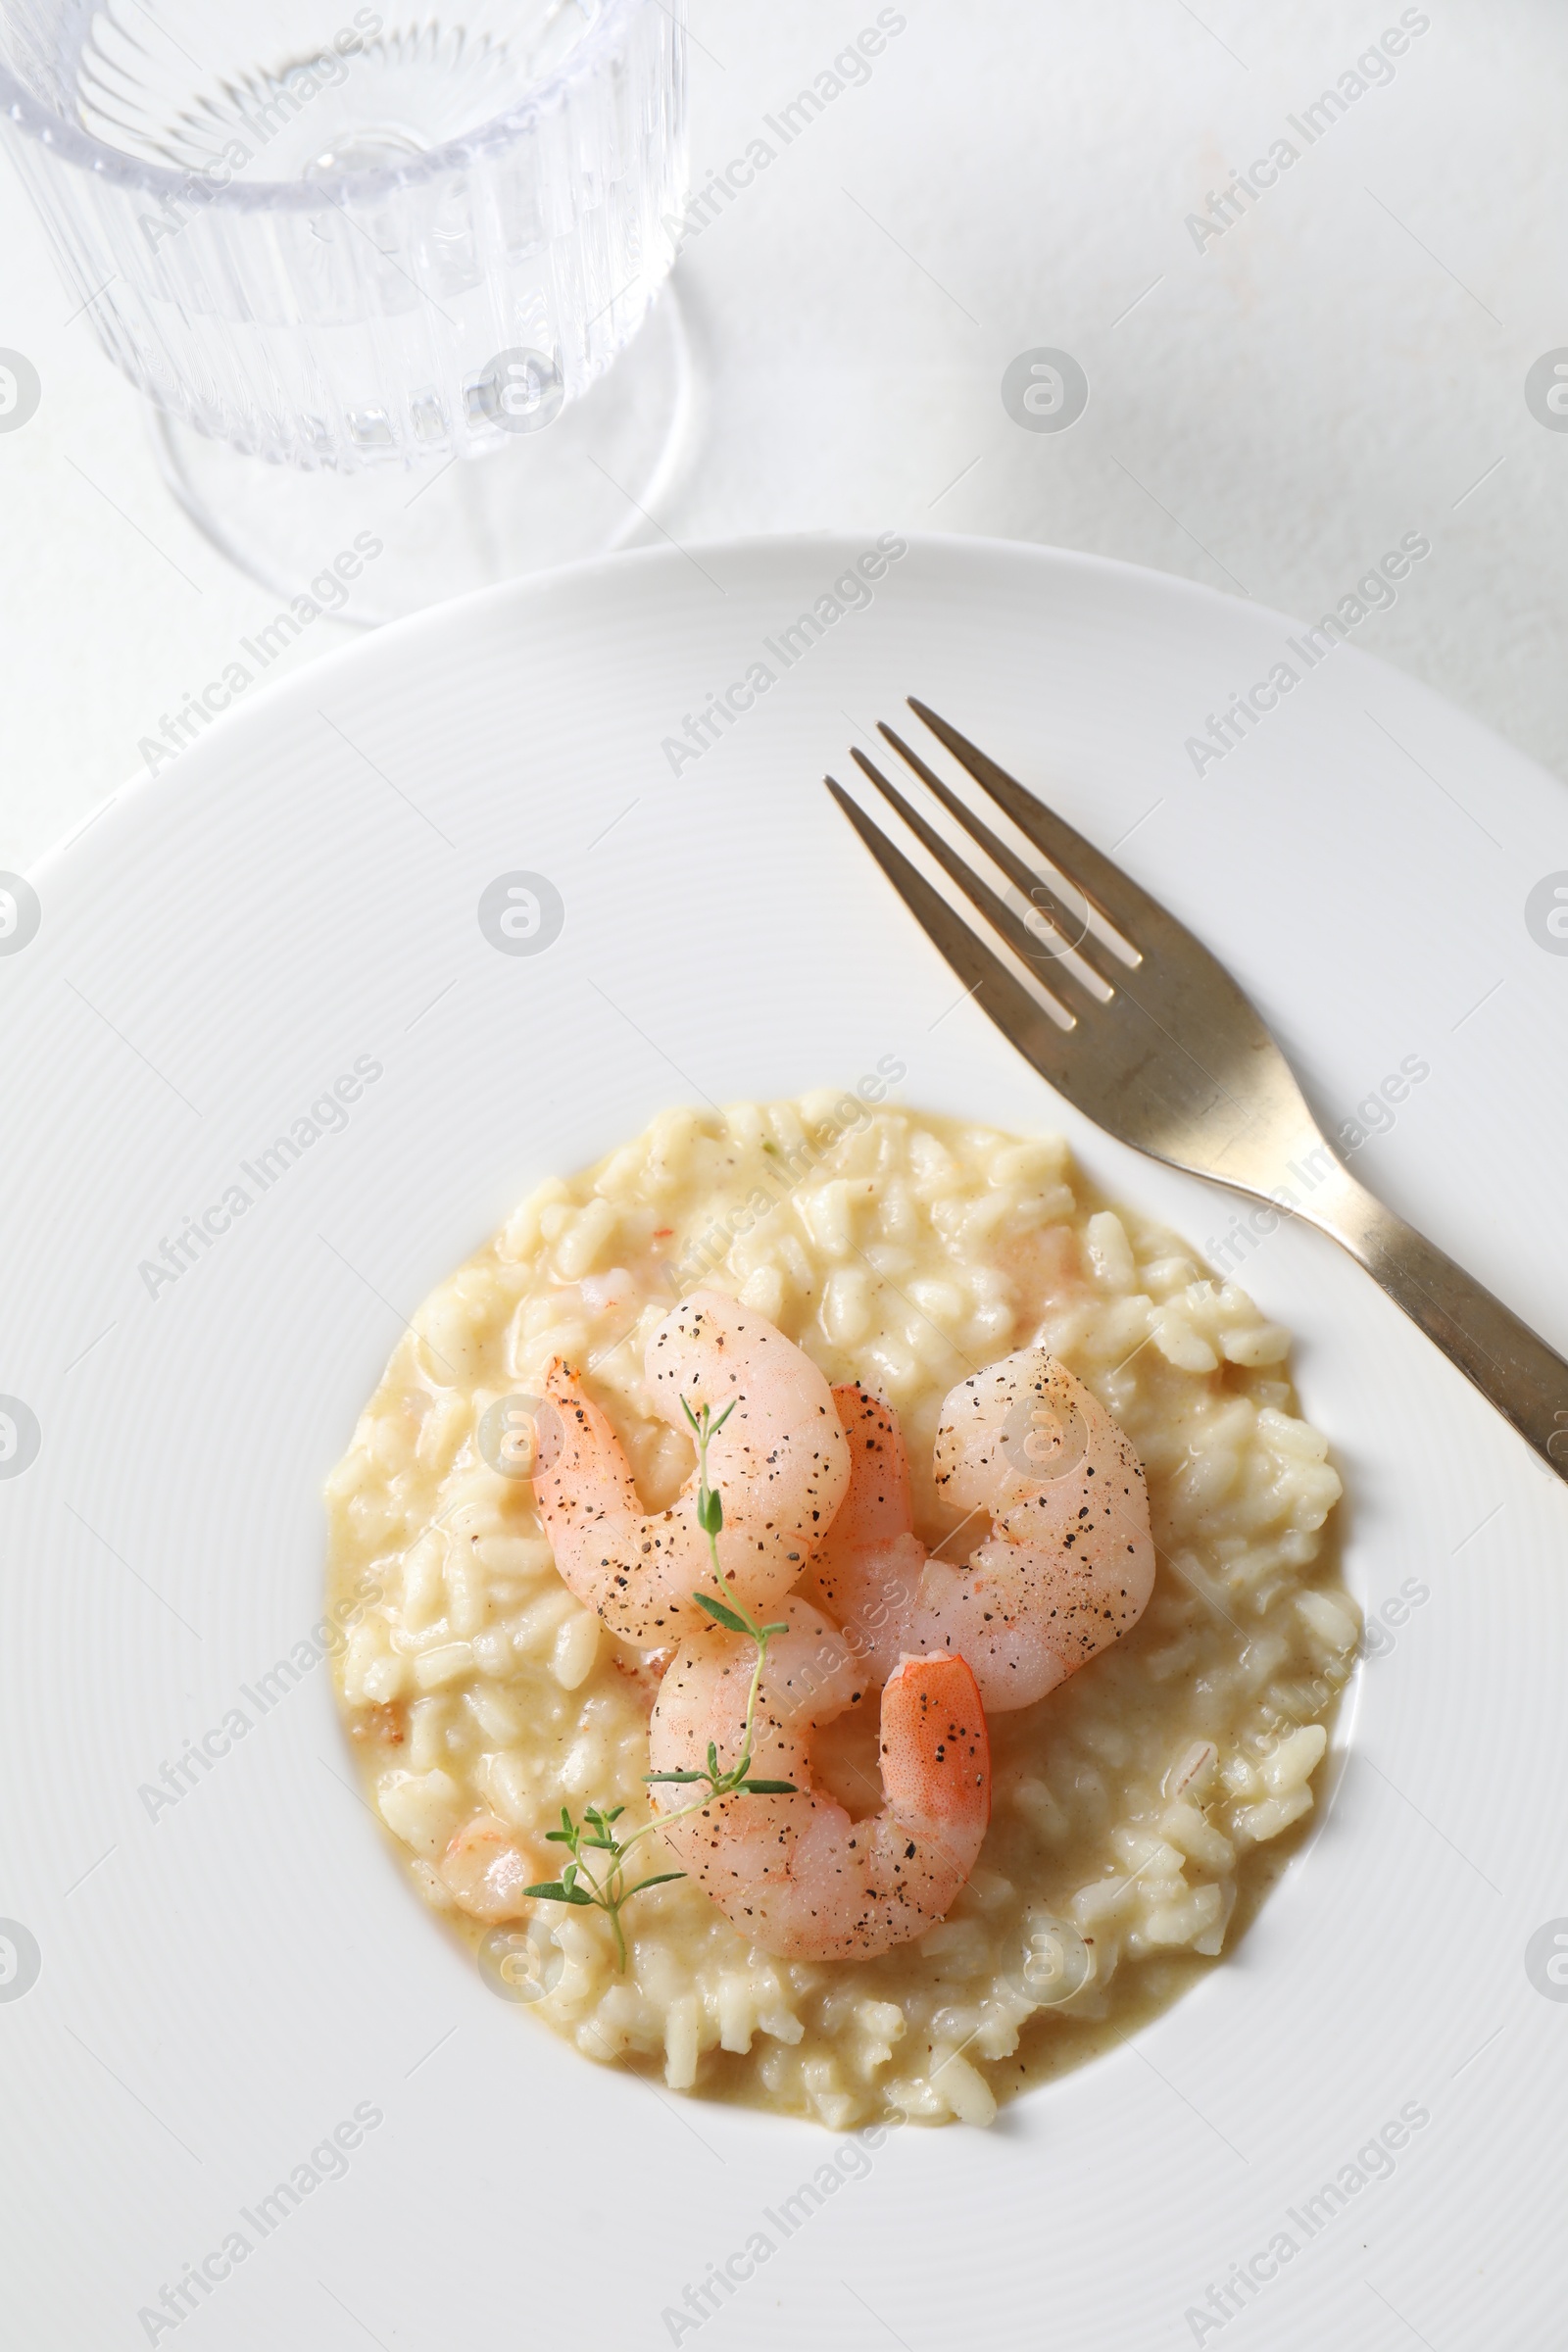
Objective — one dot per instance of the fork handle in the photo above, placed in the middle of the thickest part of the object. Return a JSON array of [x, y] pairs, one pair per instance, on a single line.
[[1510, 1364]]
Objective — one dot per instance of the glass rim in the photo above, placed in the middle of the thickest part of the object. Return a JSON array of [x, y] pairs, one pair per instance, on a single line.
[[73, 145]]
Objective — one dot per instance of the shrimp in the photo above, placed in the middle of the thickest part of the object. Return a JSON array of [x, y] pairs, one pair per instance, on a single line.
[[795, 1874], [484, 1869], [780, 1460], [1069, 1562]]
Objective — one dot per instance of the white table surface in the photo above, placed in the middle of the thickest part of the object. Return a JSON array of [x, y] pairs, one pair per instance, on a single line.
[[1270, 414]]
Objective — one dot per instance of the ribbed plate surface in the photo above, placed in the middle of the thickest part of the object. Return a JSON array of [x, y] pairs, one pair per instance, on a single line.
[[222, 1984]]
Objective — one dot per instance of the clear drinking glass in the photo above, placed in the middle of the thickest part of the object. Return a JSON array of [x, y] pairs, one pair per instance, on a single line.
[[372, 269]]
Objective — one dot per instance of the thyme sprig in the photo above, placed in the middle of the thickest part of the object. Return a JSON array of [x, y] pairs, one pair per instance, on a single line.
[[607, 1889], [578, 1884]]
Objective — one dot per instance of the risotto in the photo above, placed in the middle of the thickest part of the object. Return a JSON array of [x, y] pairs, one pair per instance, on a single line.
[[1138, 1811]]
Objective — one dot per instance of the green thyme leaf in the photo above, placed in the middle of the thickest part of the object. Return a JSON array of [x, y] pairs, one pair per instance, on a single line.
[[717, 1609]]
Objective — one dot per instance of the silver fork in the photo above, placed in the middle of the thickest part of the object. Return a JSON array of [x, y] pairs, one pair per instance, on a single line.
[[1152, 1040]]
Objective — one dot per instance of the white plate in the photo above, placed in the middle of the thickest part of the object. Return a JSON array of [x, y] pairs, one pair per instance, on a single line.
[[222, 1984]]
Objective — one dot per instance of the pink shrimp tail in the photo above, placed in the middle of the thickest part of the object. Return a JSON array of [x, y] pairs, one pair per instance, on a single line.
[[936, 1750]]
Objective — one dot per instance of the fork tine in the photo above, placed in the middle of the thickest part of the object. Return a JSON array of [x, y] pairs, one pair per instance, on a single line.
[[997, 912], [1007, 1002], [1073, 931], [1113, 893]]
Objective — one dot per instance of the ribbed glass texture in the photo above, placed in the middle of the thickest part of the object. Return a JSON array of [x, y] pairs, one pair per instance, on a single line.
[[311, 232]]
